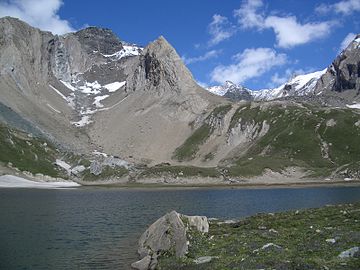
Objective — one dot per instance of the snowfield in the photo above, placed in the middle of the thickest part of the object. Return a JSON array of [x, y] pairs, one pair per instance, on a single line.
[[113, 87], [11, 181]]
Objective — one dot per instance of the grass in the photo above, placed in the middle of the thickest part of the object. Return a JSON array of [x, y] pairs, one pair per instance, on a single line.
[[26, 153], [187, 151], [301, 236], [191, 146]]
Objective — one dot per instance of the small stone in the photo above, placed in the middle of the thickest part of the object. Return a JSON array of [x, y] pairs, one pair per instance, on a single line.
[[350, 253], [204, 259], [330, 241]]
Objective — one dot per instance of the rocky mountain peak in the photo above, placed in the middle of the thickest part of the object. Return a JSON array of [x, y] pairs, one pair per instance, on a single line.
[[228, 84], [343, 75], [102, 40], [162, 67]]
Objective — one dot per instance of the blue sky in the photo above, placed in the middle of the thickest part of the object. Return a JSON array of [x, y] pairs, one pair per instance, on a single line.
[[256, 43]]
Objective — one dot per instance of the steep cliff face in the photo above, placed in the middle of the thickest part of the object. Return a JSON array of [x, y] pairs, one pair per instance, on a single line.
[[343, 75]]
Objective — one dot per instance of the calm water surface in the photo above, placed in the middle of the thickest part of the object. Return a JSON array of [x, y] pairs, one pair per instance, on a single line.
[[98, 228]]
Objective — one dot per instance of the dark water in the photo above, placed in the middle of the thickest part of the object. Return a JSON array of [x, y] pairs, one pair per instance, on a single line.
[[90, 228]]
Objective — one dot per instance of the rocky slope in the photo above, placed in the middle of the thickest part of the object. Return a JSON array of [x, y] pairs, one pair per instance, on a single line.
[[136, 114]]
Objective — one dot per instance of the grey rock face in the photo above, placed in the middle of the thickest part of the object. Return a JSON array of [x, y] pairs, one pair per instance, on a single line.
[[143, 264], [95, 168], [98, 39], [167, 233], [344, 73], [239, 93]]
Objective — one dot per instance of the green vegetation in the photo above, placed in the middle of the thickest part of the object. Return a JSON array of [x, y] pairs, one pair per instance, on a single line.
[[305, 239], [298, 136], [27, 153], [190, 147], [179, 171]]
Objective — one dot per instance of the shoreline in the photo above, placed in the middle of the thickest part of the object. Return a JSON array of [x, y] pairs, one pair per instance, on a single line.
[[19, 181], [300, 184]]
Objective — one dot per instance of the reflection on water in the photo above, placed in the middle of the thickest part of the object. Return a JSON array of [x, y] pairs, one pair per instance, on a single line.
[[91, 228]]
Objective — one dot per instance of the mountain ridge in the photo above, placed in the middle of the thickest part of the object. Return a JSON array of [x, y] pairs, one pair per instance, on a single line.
[[136, 113]]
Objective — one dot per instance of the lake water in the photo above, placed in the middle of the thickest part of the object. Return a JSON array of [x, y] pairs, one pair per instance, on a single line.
[[98, 228]]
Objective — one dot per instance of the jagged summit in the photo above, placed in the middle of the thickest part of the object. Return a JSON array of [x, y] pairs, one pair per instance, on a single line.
[[342, 76], [102, 40]]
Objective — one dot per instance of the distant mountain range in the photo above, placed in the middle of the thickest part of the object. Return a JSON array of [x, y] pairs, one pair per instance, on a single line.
[[300, 85], [90, 106]]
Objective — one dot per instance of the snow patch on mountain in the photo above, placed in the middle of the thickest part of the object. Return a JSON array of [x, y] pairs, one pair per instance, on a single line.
[[68, 85], [98, 99], [113, 87], [90, 88], [85, 120], [128, 50], [354, 106]]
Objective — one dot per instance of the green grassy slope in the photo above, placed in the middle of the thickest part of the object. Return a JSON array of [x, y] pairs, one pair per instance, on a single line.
[[27, 153], [317, 139]]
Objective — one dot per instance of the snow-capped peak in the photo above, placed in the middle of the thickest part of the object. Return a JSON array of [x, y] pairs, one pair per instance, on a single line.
[[298, 85]]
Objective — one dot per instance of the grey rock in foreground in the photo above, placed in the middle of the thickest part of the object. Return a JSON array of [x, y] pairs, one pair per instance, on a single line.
[[167, 233], [352, 252]]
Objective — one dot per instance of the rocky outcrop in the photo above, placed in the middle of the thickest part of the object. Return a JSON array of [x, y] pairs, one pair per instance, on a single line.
[[343, 75], [102, 40], [167, 234]]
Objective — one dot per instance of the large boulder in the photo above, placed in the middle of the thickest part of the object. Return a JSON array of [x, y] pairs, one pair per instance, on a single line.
[[168, 233]]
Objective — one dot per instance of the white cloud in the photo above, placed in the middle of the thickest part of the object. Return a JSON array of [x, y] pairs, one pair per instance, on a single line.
[[277, 80], [37, 13], [350, 37], [248, 15], [345, 7], [289, 32], [220, 29], [206, 56], [249, 64]]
